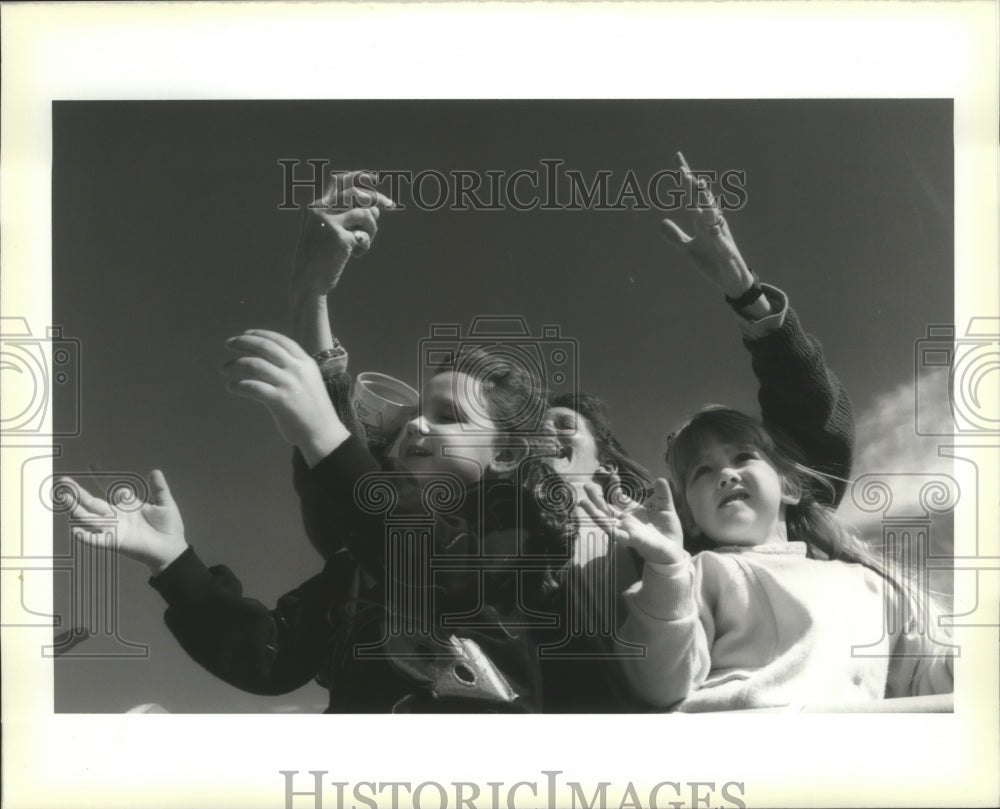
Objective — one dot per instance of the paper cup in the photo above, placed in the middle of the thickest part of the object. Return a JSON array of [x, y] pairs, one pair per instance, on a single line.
[[383, 405]]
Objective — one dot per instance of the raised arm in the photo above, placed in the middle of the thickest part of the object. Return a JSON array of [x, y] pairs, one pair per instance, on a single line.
[[235, 638], [341, 225], [663, 607], [336, 228], [800, 397], [239, 639]]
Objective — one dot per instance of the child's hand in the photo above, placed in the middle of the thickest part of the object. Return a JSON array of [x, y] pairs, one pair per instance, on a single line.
[[152, 533], [274, 370], [712, 247], [343, 225], [652, 529]]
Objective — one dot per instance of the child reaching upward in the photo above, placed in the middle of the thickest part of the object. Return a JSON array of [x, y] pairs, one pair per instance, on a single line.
[[771, 615], [384, 626], [464, 442]]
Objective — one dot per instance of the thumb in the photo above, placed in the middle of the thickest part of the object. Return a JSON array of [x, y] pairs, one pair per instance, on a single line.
[[672, 233], [662, 499], [160, 489], [362, 243]]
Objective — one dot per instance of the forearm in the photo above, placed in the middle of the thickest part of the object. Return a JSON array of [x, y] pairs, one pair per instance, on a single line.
[[238, 639], [165, 555], [799, 395], [331, 513], [663, 618], [311, 320], [319, 445]]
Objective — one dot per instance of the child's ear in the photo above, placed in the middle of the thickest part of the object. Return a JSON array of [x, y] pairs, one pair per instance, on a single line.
[[791, 493], [507, 457]]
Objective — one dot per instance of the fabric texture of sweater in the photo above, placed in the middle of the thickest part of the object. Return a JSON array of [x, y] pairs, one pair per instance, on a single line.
[[766, 626], [480, 576], [799, 397], [417, 607]]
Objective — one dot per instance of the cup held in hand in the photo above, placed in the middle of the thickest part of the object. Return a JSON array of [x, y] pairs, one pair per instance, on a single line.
[[383, 405]]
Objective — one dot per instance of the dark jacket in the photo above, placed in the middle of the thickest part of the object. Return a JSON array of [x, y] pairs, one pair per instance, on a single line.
[[471, 572]]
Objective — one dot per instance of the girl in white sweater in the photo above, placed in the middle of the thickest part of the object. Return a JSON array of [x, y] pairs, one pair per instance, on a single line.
[[787, 608]]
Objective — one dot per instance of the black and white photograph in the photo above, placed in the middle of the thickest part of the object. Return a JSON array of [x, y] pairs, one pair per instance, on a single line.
[[536, 414]]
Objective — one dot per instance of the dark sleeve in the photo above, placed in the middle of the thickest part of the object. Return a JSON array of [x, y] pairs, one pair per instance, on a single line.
[[331, 495], [330, 512], [802, 399], [241, 641]]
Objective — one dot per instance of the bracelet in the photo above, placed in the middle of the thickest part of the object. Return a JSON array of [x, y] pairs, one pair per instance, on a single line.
[[747, 297], [331, 361], [330, 353]]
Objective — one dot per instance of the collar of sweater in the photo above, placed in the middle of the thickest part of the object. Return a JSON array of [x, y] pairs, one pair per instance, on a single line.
[[777, 548]]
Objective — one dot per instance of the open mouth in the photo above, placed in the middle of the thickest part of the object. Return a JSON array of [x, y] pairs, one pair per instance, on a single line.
[[734, 497], [416, 451]]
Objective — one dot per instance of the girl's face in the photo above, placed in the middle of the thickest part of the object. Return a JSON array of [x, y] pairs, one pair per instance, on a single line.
[[735, 495], [576, 441], [451, 432]]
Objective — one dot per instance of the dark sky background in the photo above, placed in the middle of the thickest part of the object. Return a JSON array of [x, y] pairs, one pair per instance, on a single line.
[[167, 239]]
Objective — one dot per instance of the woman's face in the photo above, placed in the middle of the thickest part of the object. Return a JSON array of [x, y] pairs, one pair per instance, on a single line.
[[580, 454]]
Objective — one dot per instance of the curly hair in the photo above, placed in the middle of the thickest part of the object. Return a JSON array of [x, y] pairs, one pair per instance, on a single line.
[[511, 394], [554, 498], [635, 479]]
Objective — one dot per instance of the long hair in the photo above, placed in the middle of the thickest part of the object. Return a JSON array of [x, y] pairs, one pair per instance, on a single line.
[[513, 397], [635, 480], [555, 531], [811, 520]]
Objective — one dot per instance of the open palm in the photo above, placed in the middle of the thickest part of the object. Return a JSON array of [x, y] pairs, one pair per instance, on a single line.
[[652, 529], [711, 246], [152, 534]]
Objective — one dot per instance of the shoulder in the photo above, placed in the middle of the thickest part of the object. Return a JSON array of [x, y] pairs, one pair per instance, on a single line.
[[715, 574]]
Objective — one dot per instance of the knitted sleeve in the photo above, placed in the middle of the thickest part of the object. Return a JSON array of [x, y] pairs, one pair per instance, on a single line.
[[802, 399]]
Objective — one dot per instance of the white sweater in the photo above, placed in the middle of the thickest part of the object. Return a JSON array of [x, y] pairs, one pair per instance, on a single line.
[[766, 626]]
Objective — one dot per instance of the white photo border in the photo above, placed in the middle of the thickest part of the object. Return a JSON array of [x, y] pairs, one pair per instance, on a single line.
[[59, 51]]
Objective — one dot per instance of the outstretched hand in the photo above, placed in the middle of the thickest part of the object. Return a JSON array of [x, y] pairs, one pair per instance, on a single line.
[[151, 533], [711, 247], [274, 370], [653, 528], [340, 224]]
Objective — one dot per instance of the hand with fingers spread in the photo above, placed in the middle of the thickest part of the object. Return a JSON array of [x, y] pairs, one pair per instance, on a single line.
[[274, 370], [152, 534], [711, 247], [340, 225], [653, 529]]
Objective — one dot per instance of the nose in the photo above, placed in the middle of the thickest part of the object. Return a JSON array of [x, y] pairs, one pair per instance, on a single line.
[[416, 425], [728, 477]]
